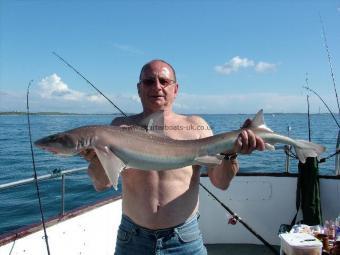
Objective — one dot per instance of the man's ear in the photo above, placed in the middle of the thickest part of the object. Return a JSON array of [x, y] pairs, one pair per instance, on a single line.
[[138, 88], [176, 89]]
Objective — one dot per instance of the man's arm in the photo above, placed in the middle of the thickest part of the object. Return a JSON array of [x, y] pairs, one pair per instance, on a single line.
[[221, 175]]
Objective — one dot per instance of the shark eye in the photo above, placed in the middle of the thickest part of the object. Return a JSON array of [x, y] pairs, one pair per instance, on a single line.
[[68, 141], [63, 140], [53, 138]]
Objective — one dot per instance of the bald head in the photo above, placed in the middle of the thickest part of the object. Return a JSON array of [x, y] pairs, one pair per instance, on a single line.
[[147, 65]]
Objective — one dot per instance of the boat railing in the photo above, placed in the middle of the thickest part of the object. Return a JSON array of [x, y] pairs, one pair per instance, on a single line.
[[56, 173]]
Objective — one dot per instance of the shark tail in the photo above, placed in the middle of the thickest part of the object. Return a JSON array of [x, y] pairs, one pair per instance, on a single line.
[[305, 149]]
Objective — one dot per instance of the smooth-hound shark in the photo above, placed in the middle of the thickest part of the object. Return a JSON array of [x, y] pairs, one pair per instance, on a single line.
[[120, 147]]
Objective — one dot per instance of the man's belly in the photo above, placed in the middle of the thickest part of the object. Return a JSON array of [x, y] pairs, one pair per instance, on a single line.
[[161, 199]]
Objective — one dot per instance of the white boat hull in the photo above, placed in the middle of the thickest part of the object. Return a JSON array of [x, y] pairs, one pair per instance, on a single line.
[[263, 202]]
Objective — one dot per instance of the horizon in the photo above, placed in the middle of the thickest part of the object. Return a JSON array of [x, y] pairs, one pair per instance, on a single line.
[[229, 57], [131, 113]]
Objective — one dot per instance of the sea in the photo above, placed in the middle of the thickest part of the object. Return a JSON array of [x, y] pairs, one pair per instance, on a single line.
[[19, 206]]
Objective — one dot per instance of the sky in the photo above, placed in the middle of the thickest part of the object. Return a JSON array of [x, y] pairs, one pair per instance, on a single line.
[[229, 56]]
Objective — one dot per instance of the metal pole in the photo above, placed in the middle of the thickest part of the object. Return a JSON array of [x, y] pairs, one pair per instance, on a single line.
[[40, 178], [287, 148], [63, 194], [308, 114]]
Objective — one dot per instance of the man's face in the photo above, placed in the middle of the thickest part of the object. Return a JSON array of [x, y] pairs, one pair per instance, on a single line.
[[157, 87]]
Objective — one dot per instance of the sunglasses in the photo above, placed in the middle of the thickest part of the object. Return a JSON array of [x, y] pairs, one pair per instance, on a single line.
[[152, 81]]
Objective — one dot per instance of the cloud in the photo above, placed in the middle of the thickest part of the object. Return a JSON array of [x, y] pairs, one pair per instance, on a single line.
[[338, 9], [2, 93], [134, 98], [246, 103], [237, 63], [53, 94], [95, 98], [234, 65], [128, 49], [181, 106], [262, 67], [52, 87]]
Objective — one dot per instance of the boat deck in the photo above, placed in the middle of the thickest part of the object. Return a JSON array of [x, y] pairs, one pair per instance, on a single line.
[[239, 249]]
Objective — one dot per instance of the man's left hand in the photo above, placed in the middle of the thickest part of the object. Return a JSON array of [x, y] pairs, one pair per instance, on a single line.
[[247, 141]]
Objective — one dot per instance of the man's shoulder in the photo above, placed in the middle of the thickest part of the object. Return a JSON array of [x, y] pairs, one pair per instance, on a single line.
[[197, 124], [192, 119]]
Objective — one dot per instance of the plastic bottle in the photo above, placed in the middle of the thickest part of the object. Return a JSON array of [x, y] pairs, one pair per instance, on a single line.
[[337, 229], [331, 230], [326, 227]]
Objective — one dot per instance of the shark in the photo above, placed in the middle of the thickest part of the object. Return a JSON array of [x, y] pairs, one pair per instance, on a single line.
[[146, 147]]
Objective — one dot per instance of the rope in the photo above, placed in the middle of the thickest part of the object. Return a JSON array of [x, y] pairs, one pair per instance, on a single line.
[[330, 156], [288, 151]]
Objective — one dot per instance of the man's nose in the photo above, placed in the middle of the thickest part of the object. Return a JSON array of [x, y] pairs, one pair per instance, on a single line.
[[157, 84]]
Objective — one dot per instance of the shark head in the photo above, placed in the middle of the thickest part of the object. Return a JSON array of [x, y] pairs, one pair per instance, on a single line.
[[61, 143]]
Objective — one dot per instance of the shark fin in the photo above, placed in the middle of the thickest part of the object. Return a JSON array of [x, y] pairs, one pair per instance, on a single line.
[[305, 149], [111, 164], [258, 121], [154, 123], [207, 160], [269, 146]]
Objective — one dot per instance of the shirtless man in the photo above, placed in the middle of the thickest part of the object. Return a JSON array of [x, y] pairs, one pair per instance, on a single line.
[[160, 207]]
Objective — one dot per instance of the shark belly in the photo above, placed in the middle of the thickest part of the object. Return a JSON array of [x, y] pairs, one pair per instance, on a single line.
[[147, 161]]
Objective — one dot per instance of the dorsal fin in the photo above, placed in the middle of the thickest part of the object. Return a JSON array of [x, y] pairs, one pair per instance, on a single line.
[[258, 121], [154, 122]]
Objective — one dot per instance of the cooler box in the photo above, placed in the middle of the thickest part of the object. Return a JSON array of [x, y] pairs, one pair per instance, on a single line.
[[300, 244]]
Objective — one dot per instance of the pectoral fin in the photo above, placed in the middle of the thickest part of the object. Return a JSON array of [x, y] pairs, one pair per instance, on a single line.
[[269, 147], [208, 160], [111, 164]]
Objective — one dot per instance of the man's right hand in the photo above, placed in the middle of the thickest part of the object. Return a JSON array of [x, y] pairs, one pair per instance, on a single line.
[[96, 171]]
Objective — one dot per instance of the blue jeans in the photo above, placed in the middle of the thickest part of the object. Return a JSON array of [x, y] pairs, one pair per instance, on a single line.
[[183, 239]]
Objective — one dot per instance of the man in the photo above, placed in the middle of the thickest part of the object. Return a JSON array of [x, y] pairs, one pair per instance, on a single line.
[[160, 207]]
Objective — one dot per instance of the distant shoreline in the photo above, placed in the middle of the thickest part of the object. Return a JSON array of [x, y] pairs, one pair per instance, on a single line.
[[54, 113], [118, 114]]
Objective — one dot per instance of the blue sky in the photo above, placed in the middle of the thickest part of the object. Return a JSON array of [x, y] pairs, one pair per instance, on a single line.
[[230, 56]]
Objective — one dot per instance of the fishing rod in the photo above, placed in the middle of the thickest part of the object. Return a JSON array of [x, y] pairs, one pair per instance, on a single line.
[[93, 86], [329, 61], [239, 219], [334, 86], [329, 110], [224, 206], [308, 113], [35, 171], [337, 150]]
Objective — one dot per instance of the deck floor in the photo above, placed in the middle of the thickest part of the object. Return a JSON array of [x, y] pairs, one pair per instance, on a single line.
[[239, 249]]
